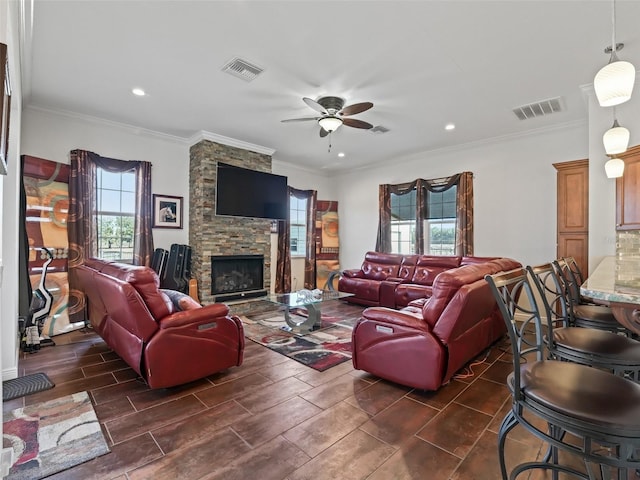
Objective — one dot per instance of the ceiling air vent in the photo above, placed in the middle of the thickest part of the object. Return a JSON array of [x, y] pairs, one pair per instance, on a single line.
[[538, 109], [379, 129], [242, 69]]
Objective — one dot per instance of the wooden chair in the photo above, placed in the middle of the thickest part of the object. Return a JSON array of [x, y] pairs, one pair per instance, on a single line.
[[570, 397]]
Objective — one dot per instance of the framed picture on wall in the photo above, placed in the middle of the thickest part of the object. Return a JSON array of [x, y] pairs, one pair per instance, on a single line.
[[5, 104], [167, 211]]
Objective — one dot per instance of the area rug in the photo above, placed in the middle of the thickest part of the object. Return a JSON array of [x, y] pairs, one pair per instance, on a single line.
[[52, 436], [320, 350]]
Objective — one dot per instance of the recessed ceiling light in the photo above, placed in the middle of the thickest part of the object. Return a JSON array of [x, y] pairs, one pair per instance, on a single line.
[[341, 154], [449, 126], [139, 92]]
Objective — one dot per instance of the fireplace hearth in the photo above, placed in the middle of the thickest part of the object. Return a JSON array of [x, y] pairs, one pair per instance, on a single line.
[[236, 277]]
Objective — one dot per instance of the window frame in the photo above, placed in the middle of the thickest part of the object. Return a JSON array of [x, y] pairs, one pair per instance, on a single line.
[[99, 215], [294, 206]]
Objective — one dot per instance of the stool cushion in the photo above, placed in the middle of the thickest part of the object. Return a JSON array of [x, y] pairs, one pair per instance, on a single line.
[[623, 350], [604, 402]]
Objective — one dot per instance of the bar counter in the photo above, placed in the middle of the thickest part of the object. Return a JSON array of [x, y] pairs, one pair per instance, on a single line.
[[616, 282]]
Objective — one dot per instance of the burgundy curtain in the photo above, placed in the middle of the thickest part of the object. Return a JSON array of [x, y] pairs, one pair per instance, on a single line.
[[383, 241], [310, 257], [464, 210], [283, 262], [464, 215], [81, 226]]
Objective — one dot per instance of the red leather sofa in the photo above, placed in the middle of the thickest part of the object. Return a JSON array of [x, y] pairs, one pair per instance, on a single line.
[[166, 347], [394, 280], [424, 344]]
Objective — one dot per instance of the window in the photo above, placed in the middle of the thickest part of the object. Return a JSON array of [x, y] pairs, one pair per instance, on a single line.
[[115, 210], [298, 226], [440, 224], [403, 222]]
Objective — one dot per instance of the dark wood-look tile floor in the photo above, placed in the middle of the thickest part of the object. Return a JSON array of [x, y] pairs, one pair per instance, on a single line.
[[273, 418]]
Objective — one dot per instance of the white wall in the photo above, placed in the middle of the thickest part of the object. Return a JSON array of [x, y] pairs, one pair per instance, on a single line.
[[52, 136], [9, 14], [514, 189]]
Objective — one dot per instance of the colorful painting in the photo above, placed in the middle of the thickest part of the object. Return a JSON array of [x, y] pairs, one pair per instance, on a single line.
[[46, 185], [327, 242]]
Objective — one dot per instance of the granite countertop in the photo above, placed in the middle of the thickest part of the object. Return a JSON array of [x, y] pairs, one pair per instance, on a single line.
[[615, 279]]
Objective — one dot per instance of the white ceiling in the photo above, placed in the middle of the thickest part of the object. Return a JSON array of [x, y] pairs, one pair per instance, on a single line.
[[422, 63]]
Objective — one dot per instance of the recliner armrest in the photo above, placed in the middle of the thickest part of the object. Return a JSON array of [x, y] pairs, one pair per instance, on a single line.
[[353, 273], [402, 318], [197, 315]]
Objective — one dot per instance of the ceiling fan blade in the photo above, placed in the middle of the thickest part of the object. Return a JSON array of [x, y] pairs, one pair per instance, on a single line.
[[323, 132], [352, 122], [356, 108], [315, 105], [305, 119]]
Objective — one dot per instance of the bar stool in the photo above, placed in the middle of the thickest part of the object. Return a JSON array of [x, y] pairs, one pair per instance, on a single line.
[[569, 397], [585, 314], [598, 348]]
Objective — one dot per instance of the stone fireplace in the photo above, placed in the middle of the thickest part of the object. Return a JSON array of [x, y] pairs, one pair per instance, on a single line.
[[236, 277], [211, 235]]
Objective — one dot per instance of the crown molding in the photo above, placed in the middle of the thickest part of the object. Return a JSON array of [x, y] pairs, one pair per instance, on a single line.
[[302, 168], [475, 144], [108, 123], [231, 142]]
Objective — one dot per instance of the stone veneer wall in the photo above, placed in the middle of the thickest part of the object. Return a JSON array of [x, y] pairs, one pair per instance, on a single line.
[[628, 246], [212, 235]]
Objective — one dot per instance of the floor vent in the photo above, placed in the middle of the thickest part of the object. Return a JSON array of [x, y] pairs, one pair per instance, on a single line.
[[539, 109], [242, 69]]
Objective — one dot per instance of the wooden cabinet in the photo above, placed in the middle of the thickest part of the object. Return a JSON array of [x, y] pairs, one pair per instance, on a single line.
[[573, 211], [628, 191]]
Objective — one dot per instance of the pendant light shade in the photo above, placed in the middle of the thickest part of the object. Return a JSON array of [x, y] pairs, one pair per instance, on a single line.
[[614, 168], [614, 82], [616, 139], [330, 123]]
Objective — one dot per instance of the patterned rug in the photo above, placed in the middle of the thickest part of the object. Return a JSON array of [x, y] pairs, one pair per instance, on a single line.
[[322, 349], [52, 436]]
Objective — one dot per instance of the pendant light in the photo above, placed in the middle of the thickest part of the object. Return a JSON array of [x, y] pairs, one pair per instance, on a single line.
[[616, 139], [613, 84], [614, 168]]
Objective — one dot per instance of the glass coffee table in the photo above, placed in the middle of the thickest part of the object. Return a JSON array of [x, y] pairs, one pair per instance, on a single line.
[[310, 302]]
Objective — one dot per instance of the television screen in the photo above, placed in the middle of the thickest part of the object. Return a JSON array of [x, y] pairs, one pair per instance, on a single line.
[[248, 193]]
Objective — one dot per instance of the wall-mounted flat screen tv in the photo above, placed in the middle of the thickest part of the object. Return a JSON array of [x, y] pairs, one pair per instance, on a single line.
[[241, 192]]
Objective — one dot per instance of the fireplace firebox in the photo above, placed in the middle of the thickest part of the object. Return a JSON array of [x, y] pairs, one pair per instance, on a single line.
[[235, 277]]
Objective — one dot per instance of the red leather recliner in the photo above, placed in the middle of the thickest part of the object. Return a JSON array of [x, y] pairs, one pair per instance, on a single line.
[[140, 323], [426, 343]]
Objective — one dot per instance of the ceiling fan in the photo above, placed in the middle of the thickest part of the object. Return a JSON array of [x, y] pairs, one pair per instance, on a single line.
[[334, 113]]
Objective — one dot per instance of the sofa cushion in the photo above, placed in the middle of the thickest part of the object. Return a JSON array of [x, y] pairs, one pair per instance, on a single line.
[[429, 266], [447, 285], [143, 279]]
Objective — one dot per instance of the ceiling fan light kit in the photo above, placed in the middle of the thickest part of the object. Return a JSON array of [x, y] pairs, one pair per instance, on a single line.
[[330, 123], [613, 85]]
